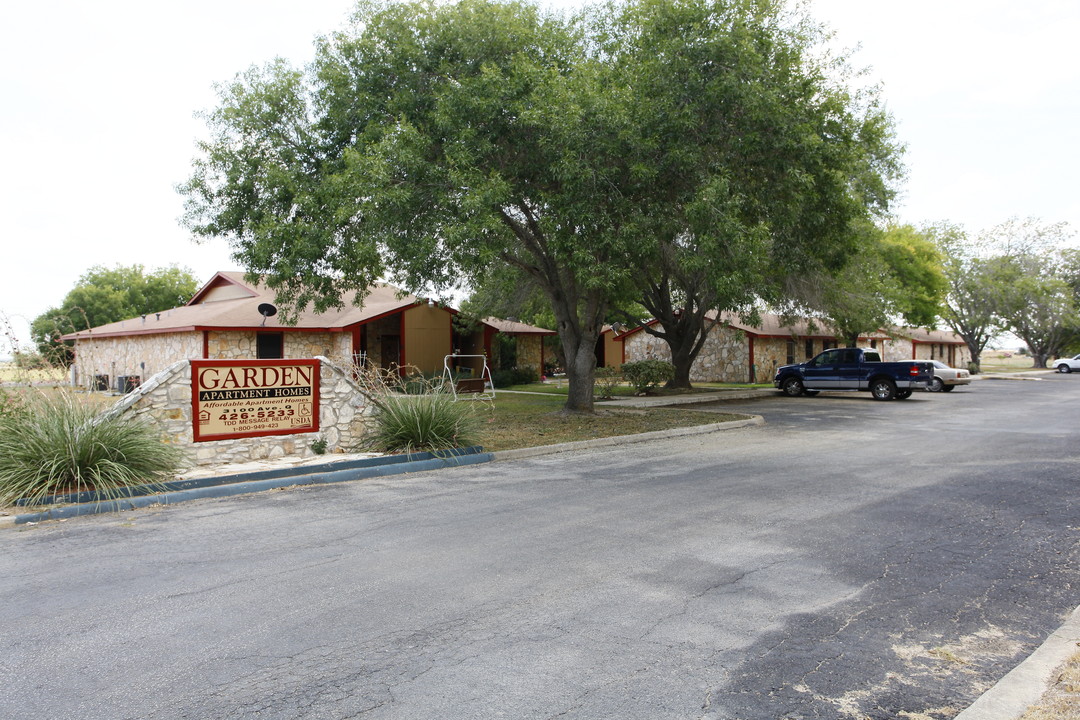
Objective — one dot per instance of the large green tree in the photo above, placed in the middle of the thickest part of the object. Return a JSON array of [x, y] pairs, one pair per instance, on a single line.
[[897, 275], [432, 142], [1031, 288], [104, 295], [968, 308]]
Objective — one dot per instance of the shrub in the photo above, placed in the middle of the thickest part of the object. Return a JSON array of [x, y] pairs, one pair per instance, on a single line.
[[431, 421], [514, 376], [606, 380], [646, 374], [56, 445], [416, 413]]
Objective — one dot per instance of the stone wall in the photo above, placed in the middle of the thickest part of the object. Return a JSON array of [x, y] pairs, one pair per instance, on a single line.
[[724, 358], [142, 355], [529, 352], [165, 401], [241, 344]]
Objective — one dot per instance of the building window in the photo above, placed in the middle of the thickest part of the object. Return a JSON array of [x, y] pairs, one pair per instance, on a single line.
[[809, 349], [790, 352], [829, 344], [269, 345], [873, 344]]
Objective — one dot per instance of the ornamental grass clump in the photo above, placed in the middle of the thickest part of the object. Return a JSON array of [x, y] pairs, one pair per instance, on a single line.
[[431, 421], [415, 413], [56, 444]]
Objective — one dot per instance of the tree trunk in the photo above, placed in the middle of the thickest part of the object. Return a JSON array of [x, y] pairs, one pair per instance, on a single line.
[[581, 374], [578, 334]]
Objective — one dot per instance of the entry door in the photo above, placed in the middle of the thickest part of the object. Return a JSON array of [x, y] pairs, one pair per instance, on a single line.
[[391, 351]]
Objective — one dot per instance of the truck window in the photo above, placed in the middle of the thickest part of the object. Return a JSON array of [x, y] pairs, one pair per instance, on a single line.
[[849, 357], [825, 359], [871, 356]]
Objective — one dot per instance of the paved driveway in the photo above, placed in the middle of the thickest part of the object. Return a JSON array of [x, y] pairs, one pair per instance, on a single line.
[[849, 559]]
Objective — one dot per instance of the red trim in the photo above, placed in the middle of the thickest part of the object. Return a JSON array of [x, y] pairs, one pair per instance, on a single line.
[[401, 343], [751, 368], [213, 282], [197, 436], [205, 344]]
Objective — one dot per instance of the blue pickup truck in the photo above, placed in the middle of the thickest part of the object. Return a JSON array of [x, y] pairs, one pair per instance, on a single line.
[[854, 369]]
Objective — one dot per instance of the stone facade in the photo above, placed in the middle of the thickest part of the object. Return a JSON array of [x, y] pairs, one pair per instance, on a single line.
[[530, 353], [165, 401], [141, 355], [724, 358], [146, 355]]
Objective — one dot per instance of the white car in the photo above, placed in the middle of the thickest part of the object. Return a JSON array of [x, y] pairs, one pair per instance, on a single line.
[[1067, 365], [946, 378]]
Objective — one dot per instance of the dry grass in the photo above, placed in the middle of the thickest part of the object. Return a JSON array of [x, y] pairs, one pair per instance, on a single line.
[[519, 421], [1062, 700], [1004, 361], [12, 373]]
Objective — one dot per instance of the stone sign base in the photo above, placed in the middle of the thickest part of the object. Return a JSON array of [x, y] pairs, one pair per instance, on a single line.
[[164, 400]]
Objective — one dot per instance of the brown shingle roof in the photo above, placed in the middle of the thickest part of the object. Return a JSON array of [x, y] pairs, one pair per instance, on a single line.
[[242, 312]]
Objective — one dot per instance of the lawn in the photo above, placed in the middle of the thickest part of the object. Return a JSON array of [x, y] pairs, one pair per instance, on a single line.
[[1002, 361], [559, 387], [517, 421]]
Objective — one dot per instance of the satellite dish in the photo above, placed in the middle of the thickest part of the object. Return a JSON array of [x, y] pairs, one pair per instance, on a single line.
[[267, 310]]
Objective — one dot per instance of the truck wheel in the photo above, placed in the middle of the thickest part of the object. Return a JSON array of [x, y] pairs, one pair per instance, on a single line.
[[793, 387], [903, 394], [883, 389], [935, 385]]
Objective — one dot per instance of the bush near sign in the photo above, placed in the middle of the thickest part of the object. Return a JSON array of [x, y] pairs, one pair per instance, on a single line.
[[253, 398]]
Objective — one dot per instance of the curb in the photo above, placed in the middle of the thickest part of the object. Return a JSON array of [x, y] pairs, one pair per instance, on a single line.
[[260, 481], [1026, 683], [243, 487], [624, 439]]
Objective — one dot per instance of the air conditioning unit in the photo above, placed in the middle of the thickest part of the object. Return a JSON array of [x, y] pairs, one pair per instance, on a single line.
[[127, 383]]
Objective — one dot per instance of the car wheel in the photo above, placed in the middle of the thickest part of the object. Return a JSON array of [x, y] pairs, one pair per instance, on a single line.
[[1063, 368], [948, 388], [903, 394], [883, 389], [793, 387], [935, 385]]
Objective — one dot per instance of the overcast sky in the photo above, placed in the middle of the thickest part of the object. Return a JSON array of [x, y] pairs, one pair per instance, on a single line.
[[98, 100]]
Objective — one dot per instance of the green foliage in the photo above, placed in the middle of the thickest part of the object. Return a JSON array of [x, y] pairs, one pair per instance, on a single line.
[[968, 306], [607, 379], [319, 446], [438, 143], [896, 275], [104, 295], [56, 444], [414, 412], [514, 376], [1032, 285], [646, 374]]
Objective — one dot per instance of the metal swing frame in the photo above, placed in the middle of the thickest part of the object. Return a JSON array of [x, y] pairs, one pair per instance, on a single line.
[[468, 386]]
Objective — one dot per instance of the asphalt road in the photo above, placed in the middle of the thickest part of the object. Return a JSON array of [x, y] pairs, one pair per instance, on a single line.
[[850, 559]]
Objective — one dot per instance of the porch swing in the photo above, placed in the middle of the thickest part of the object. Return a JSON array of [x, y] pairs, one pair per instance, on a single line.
[[477, 388]]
